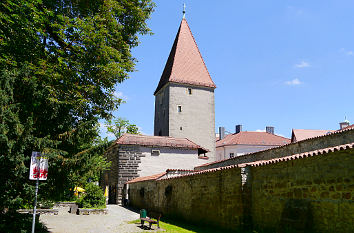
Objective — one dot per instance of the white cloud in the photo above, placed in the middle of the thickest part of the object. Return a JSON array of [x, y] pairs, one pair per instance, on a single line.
[[347, 52], [302, 64], [293, 82]]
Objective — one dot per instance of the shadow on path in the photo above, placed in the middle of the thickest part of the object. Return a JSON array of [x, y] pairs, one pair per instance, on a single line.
[[16, 222]]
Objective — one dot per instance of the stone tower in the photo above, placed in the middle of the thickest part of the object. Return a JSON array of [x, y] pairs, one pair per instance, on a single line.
[[184, 97]]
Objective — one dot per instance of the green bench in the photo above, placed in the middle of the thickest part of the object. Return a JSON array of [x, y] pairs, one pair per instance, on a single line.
[[154, 218]]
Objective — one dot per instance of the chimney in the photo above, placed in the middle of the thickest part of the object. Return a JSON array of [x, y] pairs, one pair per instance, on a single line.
[[344, 124], [238, 128], [221, 132], [270, 129]]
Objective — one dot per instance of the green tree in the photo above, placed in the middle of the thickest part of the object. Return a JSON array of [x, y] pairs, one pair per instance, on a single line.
[[60, 61], [120, 126]]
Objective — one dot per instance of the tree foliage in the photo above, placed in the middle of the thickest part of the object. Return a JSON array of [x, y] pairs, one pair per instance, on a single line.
[[120, 126], [60, 61]]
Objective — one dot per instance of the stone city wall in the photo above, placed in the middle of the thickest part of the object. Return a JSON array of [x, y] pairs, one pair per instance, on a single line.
[[310, 194], [212, 198], [315, 192]]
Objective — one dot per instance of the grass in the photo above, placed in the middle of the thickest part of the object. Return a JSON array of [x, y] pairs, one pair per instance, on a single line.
[[183, 227]]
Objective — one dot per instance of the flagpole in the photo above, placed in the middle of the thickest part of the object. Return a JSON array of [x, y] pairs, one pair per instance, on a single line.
[[35, 200]]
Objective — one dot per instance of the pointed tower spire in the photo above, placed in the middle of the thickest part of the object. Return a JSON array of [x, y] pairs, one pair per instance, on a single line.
[[185, 64], [184, 97]]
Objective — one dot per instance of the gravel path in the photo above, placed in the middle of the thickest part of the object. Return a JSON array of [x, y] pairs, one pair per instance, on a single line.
[[115, 221]]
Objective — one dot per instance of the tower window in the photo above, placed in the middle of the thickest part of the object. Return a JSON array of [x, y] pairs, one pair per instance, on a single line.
[[180, 128], [189, 91], [179, 108]]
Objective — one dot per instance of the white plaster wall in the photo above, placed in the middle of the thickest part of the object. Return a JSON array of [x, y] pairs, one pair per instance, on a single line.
[[197, 118], [169, 158], [224, 152]]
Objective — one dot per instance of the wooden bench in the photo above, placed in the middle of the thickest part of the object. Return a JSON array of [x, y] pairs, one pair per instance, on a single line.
[[153, 219]]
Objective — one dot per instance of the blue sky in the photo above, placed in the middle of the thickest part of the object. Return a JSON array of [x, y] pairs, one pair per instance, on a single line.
[[286, 63]]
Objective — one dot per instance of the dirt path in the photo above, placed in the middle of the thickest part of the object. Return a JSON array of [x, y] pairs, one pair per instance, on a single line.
[[115, 221]]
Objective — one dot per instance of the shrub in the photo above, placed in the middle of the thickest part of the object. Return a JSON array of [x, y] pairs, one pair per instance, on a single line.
[[93, 197]]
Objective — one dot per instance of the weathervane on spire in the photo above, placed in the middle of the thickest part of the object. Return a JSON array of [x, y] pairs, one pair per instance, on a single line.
[[184, 10]]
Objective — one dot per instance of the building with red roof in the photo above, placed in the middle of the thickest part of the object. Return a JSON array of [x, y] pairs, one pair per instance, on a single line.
[[245, 142], [303, 134], [134, 156]]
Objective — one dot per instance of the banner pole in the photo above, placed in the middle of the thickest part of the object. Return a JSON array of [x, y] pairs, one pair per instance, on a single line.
[[35, 205]]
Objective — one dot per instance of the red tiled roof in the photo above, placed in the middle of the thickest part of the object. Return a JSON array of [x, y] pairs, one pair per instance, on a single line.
[[179, 170], [185, 64], [144, 140], [201, 172], [145, 178], [302, 134], [277, 160], [253, 138]]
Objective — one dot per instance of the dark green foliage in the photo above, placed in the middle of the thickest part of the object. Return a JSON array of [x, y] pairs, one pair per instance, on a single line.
[[93, 197], [60, 62]]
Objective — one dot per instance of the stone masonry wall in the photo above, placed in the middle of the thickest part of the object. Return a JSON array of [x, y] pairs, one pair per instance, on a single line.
[[161, 119], [197, 118], [212, 198], [124, 167], [335, 139], [196, 121], [314, 194]]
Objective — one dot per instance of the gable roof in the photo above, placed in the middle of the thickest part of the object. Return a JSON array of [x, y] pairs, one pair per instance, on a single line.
[[146, 178], [185, 63], [253, 138], [302, 134], [159, 141]]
